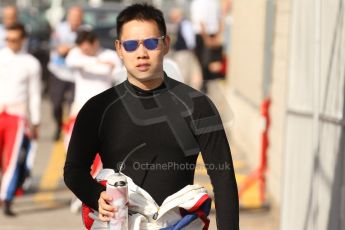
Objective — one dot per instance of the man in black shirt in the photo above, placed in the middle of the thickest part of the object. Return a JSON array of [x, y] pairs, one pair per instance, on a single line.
[[175, 121]]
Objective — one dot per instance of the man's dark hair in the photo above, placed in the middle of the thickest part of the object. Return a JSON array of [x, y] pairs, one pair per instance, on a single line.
[[18, 26], [86, 36], [141, 12]]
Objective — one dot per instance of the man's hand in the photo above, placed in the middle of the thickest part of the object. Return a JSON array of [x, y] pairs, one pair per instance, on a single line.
[[62, 49], [106, 211]]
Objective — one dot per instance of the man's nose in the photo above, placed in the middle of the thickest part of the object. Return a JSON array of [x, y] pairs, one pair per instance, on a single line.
[[142, 51]]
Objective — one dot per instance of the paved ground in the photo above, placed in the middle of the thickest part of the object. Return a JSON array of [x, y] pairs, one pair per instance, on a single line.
[[47, 204]]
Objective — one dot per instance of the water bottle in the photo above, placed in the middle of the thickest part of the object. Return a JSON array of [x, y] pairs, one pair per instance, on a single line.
[[117, 188]]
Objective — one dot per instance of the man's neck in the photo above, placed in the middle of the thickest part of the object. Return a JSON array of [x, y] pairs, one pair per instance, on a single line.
[[146, 85], [15, 51]]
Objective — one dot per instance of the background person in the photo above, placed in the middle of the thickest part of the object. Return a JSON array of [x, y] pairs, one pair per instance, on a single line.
[[36, 42], [20, 98], [61, 81], [94, 69], [183, 48], [208, 14]]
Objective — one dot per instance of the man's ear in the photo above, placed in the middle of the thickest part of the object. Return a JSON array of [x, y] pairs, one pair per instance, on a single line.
[[118, 49], [166, 44]]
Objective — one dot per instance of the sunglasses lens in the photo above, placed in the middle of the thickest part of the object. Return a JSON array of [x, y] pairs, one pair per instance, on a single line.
[[151, 43], [130, 45]]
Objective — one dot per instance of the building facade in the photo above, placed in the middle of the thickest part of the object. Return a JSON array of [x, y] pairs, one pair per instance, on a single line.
[[292, 52]]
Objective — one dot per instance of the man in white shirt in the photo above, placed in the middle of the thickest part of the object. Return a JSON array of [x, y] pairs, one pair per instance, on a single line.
[[62, 81], [206, 13], [20, 98], [95, 69], [184, 49]]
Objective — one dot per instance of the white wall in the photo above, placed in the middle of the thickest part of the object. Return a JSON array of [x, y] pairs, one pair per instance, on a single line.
[[244, 85], [314, 183], [278, 95]]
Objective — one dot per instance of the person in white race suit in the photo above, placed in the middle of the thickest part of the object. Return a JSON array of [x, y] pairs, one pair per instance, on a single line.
[[20, 98]]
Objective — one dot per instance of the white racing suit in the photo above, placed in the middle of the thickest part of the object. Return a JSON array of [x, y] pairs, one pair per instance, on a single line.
[[187, 209]]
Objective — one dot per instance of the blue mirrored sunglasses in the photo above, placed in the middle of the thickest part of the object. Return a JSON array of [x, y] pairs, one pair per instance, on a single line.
[[149, 43]]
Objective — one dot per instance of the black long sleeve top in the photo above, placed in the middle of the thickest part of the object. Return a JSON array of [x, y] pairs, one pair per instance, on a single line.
[[175, 122]]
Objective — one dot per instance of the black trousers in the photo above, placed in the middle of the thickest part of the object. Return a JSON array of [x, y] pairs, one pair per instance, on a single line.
[[199, 51], [61, 92], [205, 56]]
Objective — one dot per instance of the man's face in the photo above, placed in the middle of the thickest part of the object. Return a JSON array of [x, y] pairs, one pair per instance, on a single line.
[[142, 64], [75, 18], [14, 40], [10, 16], [89, 48], [175, 15]]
